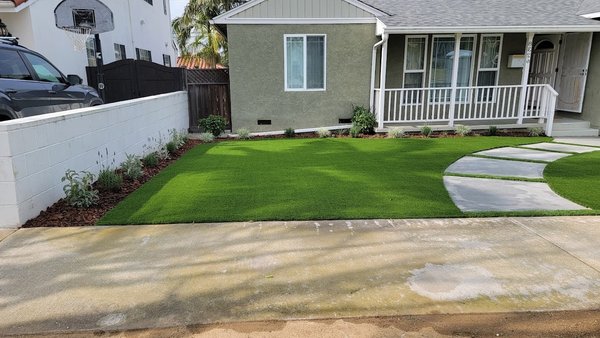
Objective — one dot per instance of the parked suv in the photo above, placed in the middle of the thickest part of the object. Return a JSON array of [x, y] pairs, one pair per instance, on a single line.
[[31, 85]]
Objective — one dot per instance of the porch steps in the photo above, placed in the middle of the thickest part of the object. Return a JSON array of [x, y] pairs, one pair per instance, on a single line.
[[572, 127]]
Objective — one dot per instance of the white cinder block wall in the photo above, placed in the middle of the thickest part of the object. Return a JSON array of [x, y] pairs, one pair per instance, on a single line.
[[35, 152]]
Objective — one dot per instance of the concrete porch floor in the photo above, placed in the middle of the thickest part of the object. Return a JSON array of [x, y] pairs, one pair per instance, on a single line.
[[116, 278]]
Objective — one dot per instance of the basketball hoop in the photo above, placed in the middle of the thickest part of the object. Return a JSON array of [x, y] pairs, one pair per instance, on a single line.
[[78, 36]]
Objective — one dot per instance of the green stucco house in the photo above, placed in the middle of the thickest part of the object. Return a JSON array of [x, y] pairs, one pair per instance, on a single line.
[[510, 63]]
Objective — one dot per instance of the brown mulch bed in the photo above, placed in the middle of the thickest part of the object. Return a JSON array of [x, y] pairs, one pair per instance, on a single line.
[[61, 214]]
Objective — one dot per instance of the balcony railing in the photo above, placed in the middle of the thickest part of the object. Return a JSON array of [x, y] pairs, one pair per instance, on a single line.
[[436, 105]]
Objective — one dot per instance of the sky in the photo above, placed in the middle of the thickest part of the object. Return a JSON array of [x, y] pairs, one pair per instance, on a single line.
[[177, 7]]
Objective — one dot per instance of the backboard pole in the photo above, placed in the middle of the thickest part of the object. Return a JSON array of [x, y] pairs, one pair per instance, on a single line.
[[99, 65]]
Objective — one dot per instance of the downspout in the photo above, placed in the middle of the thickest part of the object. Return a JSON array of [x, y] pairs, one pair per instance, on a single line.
[[373, 73], [382, 81]]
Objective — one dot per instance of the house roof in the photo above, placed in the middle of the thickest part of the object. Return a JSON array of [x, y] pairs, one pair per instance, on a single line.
[[421, 14], [195, 62], [590, 8]]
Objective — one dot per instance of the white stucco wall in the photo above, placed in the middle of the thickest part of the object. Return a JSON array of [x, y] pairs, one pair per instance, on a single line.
[[137, 25], [35, 152]]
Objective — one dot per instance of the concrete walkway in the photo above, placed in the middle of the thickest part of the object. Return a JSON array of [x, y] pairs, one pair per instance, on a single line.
[[505, 187], [117, 278]]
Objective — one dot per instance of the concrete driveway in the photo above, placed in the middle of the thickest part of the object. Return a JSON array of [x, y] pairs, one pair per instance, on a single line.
[[116, 278]]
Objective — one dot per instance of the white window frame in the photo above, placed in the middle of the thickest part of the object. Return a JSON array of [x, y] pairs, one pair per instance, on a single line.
[[285, 65], [474, 36], [473, 61], [497, 69], [425, 58]]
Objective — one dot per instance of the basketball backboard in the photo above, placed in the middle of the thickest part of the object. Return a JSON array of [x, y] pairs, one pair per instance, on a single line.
[[92, 15]]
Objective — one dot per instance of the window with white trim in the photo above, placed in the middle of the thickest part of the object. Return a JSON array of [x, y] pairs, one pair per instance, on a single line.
[[489, 60], [442, 62], [120, 52], [305, 62], [143, 54], [414, 61]]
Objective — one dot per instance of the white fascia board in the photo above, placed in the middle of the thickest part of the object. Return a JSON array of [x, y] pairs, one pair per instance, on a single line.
[[18, 8], [294, 21], [380, 28], [497, 29], [222, 19], [592, 15]]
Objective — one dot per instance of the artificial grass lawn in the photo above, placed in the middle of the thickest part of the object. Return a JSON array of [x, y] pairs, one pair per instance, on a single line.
[[300, 179], [577, 178]]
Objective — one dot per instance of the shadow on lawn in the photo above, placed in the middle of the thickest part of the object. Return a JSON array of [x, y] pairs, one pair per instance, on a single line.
[[302, 179]]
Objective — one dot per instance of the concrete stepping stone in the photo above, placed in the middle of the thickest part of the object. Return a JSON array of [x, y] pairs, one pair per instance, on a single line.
[[561, 147], [480, 195], [584, 141], [523, 154], [487, 166]]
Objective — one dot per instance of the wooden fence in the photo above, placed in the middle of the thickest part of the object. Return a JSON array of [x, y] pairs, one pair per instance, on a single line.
[[208, 94], [132, 79]]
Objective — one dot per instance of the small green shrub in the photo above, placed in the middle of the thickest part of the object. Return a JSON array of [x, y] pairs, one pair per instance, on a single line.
[[462, 130], [150, 160], [78, 190], [207, 137], [364, 120], [214, 124], [324, 133], [395, 133], [178, 138], [493, 131], [355, 132], [426, 131], [171, 148], [109, 180], [536, 131], [132, 168], [244, 134], [289, 133], [344, 132]]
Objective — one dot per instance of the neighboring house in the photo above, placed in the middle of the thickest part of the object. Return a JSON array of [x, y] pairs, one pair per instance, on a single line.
[[304, 63], [142, 31], [195, 62]]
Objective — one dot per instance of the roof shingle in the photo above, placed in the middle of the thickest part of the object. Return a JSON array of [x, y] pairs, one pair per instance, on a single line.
[[484, 13]]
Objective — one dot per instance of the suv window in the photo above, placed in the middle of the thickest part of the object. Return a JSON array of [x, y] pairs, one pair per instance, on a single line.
[[44, 70], [12, 66]]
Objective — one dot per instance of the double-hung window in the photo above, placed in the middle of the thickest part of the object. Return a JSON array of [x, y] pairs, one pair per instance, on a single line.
[[414, 61], [442, 61], [489, 65], [305, 62]]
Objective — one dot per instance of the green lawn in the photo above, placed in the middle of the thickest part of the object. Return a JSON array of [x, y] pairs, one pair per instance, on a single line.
[[577, 178], [301, 179]]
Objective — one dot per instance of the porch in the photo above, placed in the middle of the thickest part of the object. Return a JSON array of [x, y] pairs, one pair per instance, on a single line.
[[504, 80]]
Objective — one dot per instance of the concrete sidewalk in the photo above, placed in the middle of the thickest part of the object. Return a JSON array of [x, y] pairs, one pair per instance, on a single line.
[[116, 278]]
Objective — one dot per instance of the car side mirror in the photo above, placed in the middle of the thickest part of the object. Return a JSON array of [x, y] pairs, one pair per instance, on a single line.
[[74, 79]]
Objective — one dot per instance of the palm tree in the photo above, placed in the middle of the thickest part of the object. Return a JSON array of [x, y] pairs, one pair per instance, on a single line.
[[194, 34]]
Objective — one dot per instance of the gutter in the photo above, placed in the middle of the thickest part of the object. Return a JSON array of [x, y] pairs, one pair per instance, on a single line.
[[493, 29], [374, 70]]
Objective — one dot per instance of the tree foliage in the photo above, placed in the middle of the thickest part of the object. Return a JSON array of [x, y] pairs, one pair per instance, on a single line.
[[194, 34]]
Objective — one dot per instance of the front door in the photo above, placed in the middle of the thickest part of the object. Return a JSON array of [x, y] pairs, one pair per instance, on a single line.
[[544, 59], [574, 68]]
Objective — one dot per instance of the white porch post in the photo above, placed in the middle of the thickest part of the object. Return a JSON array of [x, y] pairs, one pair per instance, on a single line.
[[383, 76], [525, 76], [454, 83]]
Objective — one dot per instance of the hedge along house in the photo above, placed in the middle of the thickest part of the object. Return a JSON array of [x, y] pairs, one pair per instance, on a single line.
[[510, 63]]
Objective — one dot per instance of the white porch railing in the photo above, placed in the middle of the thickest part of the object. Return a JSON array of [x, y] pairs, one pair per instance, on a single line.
[[433, 105]]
